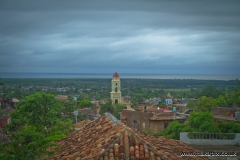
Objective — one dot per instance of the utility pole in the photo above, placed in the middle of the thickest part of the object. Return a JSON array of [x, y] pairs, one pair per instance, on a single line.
[[76, 111], [76, 114], [174, 112]]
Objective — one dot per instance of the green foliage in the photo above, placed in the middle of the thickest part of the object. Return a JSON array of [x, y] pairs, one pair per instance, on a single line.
[[236, 94], [160, 133], [39, 109], [211, 91], [205, 104], [82, 97], [134, 102], [223, 101], [118, 108], [1, 112], [85, 103], [173, 130], [29, 143], [36, 123], [107, 107], [192, 105], [202, 122], [1, 82], [216, 98], [148, 131], [69, 106], [228, 127]]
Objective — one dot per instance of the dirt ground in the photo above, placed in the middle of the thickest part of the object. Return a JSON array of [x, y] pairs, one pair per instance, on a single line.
[[228, 149]]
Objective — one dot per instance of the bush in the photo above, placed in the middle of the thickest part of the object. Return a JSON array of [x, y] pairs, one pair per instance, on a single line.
[[228, 127]]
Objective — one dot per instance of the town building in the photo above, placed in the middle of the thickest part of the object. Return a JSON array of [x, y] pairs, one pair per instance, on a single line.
[[154, 119], [4, 120], [88, 113], [170, 102], [61, 97], [12, 103], [226, 114], [154, 101], [115, 93], [168, 99], [108, 139]]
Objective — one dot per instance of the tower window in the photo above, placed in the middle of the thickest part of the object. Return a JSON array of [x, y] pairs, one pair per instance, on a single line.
[[116, 101], [116, 89], [116, 84]]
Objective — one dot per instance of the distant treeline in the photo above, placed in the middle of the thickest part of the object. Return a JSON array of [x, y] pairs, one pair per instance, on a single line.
[[177, 83], [125, 83]]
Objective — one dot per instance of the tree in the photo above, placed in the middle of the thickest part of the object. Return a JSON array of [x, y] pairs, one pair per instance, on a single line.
[[173, 130], [36, 123], [192, 105], [210, 91], [118, 108], [236, 94], [39, 109], [107, 107], [177, 95], [69, 107], [134, 102], [202, 122], [205, 104], [85, 103], [228, 127], [82, 96], [223, 101], [1, 82]]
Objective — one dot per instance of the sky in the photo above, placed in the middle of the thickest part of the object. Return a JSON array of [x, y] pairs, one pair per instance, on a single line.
[[127, 36]]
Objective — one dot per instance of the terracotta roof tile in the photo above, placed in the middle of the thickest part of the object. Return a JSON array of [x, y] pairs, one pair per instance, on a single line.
[[82, 123], [162, 118], [104, 140]]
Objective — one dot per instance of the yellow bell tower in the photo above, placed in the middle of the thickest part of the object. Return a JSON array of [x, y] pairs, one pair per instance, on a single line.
[[116, 89]]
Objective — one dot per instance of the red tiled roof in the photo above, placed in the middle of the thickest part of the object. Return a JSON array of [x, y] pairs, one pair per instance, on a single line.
[[162, 118], [104, 140], [165, 118], [8, 110], [61, 97], [82, 123], [115, 75], [158, 110]]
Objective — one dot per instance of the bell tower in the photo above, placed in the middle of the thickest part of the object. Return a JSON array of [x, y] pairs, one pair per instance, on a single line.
[[116, 89]]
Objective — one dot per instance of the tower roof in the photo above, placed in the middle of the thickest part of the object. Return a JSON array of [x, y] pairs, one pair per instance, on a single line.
[[115, 74], [168, 96]]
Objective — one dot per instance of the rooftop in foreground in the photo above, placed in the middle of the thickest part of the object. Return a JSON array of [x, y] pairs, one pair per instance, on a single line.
[[107, 138]]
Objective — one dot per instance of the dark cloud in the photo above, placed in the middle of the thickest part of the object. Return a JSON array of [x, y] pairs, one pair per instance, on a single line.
[[175, 37]]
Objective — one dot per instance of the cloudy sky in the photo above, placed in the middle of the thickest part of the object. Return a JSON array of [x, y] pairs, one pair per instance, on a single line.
[[104, 36]]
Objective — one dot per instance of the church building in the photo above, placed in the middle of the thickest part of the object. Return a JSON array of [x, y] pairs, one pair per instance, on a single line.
[[116, 89]]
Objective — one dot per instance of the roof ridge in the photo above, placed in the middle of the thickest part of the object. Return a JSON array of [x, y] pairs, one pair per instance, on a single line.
[[146, 144], [112, 118]]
